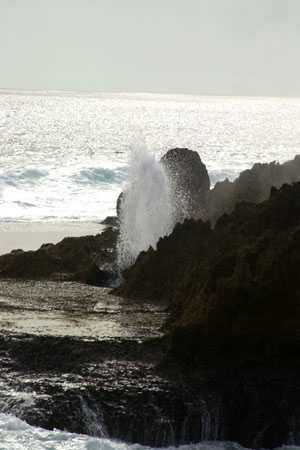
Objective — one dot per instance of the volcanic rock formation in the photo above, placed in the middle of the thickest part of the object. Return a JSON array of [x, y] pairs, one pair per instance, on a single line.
[[240, 279], [73, 258], [253, 185]]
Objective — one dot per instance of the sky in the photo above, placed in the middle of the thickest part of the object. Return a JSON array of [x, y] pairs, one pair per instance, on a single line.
[[210, 47]]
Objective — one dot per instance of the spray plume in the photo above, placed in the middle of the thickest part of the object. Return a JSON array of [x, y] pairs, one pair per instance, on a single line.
[[146, 211]]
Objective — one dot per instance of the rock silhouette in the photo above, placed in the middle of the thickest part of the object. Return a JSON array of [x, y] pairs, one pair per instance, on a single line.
[[238, 279]]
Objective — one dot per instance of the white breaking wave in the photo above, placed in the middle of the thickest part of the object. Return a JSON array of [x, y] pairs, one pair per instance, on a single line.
[[100, 175], [146, 208], [79, 193], [16, 434]]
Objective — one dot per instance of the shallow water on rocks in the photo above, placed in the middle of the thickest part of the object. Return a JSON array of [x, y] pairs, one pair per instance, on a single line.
[[75, 310]]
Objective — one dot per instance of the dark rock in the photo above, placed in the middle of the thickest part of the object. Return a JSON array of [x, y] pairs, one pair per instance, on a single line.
[[240, 279], [159, 274], [234, 301], [117, 389], [95, 276], [111, 221], [189, 182], [253, 185], [17, 251], [63, 260], [119, 204], [46, 246]]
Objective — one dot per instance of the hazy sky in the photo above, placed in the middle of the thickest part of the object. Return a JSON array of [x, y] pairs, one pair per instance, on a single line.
[[249, 47]]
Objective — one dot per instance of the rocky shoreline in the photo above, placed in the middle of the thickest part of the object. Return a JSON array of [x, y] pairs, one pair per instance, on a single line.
[[122, 389], [123, 383], [200, 341]]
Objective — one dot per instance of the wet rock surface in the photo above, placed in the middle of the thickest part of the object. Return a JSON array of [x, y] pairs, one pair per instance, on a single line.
[[77, 358], [75, 310]]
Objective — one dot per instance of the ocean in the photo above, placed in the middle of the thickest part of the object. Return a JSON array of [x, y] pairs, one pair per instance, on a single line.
[[64, 156]]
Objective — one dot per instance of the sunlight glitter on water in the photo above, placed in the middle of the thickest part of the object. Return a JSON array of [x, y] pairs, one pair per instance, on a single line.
[[65, 157]]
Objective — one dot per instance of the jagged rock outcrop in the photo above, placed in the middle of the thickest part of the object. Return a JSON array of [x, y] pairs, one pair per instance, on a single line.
[[190, 183], [240, 279], [253, 185], [191, 191], [73, 258], [159, 274]]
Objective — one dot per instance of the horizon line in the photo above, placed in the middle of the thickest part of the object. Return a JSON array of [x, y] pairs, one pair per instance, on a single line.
[[87, 92]]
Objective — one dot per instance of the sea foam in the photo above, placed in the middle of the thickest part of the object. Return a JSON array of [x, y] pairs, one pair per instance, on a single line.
[[16, 434]]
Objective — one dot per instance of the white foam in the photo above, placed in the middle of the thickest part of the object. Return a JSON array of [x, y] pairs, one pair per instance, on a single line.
[[16, 434]]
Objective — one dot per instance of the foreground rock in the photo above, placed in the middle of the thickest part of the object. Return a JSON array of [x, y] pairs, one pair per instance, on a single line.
[[74, 258], [75, 357], [240, 279]]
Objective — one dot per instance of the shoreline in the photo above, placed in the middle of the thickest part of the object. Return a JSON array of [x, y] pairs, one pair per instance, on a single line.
[[31, 235], [200, 341]]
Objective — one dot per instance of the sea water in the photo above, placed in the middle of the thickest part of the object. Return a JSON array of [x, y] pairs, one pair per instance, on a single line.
[[18, 435], [64, 156]]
